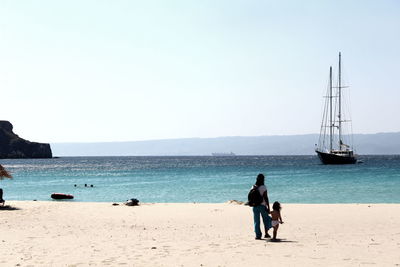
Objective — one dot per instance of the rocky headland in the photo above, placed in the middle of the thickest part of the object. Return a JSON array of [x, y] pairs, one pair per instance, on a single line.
[[13, 146]]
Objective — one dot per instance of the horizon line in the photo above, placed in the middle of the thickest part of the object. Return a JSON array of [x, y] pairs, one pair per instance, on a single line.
[[218, 137]]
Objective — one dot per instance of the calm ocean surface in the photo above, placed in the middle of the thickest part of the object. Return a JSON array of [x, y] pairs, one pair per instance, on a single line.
[[290, 179]]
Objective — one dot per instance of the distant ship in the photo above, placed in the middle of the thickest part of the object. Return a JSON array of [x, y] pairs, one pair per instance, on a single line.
[[223, 154], [332, 147]]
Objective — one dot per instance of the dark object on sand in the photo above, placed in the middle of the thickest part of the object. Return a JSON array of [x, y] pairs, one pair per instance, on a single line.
[[2, 201], [132, 202], [115, 204], [61, 196], [8, 207], [3, 173]]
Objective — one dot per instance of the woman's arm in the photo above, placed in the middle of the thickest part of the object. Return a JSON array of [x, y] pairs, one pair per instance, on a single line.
[[267, 200]]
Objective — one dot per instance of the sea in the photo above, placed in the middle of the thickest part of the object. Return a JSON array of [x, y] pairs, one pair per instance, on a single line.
[[203, 179]]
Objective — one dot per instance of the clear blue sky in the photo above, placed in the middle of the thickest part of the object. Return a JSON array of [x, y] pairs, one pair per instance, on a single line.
[[137, 70]]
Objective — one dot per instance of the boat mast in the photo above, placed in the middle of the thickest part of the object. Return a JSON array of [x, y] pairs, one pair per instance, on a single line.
[[340, 102], [330, 110]]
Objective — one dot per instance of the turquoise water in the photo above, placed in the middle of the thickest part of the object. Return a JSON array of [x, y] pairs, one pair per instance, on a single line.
[[290, 179]]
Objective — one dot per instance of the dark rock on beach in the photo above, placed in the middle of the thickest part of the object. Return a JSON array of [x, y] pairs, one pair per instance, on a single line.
[[12, 146], [132, 202]]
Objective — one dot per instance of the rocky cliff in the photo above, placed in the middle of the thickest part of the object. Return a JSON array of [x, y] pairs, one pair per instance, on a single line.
[[12, 146]]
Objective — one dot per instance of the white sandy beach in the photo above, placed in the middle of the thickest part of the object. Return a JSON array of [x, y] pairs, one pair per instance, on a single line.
[[99, 234]]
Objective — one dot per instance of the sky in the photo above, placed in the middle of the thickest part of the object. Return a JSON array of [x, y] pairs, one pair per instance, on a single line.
[[102, 71]]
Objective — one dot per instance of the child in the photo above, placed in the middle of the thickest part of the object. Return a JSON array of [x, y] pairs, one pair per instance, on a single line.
[[276, 218]]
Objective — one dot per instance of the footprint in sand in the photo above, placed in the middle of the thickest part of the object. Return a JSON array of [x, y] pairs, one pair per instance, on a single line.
[[108, 261]]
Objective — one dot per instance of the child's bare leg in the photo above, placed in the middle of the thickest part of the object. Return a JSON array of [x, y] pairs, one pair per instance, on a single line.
[[275, 231]]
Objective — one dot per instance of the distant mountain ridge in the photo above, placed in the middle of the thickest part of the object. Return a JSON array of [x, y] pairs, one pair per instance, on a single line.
[[380, 143]]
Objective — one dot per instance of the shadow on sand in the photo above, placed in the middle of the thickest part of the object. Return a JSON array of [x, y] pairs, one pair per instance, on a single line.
[[279, 240], [8, 207]]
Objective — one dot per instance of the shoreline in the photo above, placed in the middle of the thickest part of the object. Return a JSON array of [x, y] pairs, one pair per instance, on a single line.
[[232, 202], [60, 233]]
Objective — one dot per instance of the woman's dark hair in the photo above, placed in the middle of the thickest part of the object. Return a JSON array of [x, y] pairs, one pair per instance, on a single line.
[[260, 179], [276, 206]]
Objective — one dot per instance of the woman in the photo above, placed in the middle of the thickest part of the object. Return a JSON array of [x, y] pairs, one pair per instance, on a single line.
[[262, 209]]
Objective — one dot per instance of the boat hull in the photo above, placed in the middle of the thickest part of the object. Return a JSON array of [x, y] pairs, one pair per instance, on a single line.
[[329, 158], [61, 196]]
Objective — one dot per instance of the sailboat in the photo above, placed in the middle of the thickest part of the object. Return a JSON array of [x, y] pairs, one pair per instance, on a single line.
[[334, 144]]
